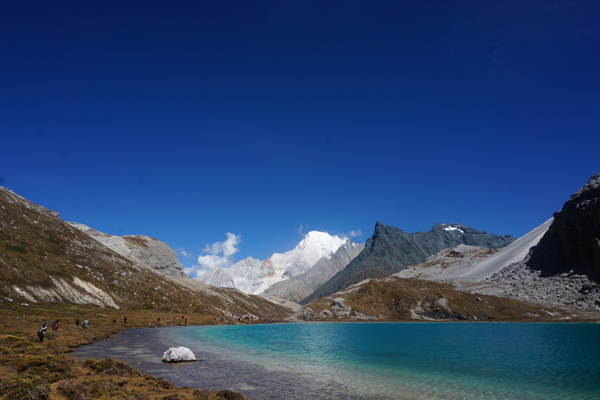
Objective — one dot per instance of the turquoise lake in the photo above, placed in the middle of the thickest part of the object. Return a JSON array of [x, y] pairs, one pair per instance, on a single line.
[[373, 360]]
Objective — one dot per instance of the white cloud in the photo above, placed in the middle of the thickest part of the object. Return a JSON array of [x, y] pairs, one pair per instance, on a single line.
[[220, 254], [352, 234], [228, 247], [355, 233], [300, 230], [183, 253]]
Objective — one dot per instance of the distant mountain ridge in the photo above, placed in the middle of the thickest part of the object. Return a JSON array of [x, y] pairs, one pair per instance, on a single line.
[[297, 288], [390, 250], [255, 276]]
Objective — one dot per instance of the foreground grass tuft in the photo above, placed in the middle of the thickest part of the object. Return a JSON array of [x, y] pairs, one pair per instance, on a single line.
[[51, 367], [24, 387], [110, 366]]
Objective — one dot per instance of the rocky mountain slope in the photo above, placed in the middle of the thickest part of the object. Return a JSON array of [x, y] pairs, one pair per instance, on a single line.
[[255, 276], [471, 263], [45, 260], [143, 250], [573, 239], [399, 299], [297, 288], [554, 264], [563, 268], [390, 250]]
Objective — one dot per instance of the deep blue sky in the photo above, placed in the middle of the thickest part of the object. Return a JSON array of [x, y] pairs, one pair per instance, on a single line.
[[187, 120]]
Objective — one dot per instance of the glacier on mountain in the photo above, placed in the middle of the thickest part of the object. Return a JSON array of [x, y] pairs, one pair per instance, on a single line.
[[254, 276]]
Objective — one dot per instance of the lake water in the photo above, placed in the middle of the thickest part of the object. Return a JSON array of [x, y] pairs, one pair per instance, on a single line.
[[373, 360]]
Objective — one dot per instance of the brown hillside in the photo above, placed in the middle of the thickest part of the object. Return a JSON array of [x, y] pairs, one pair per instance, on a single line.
[[44, 260], [399, 299]]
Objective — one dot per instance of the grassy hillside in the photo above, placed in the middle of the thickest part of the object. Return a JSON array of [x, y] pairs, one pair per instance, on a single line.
[[45, 260], [399, 299]]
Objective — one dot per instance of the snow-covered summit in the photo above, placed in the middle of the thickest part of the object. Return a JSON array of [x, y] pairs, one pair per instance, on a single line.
[[311, 249], [253, 276]]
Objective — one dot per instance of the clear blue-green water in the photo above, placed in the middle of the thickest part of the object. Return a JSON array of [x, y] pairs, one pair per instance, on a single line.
[[374, 360]]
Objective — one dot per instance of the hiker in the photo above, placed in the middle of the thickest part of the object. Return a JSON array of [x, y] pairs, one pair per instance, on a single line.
[[54, 328], [84, 325], [114, 320], [42, 332], [125, 320], [77, 323]]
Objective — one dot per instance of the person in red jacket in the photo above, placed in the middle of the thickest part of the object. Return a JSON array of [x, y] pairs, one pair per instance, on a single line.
[[54, 328]]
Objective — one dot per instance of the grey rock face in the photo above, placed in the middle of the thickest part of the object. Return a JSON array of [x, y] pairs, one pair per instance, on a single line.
[[564, 267], [518, 281], [143, 250], [390, 250], [573, 239]]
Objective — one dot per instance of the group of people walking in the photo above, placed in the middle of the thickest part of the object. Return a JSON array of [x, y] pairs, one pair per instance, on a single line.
[[44, 328], [42, 331]]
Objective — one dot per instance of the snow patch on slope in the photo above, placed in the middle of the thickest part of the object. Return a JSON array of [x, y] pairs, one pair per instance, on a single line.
[[453, 228]]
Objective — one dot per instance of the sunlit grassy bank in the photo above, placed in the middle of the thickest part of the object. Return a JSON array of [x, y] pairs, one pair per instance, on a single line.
[[33, 370]]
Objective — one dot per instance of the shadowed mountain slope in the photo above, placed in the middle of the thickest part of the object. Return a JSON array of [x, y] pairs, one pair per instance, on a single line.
[[572, 241], [390, 250]]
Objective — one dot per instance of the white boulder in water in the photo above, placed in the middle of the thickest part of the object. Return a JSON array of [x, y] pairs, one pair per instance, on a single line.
[[178, 354]]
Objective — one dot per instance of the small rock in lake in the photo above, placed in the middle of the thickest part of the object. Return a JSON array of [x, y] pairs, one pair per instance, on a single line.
[[178, 354]]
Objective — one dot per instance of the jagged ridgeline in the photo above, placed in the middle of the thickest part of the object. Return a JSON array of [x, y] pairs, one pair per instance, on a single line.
[[390, 250], [46, 260]]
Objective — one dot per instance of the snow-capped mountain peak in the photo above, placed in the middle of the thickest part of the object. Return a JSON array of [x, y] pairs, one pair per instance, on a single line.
[[311, 249], [254, 276]]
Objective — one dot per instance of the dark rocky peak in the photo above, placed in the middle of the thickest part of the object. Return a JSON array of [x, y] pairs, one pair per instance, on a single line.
[[587, 196], [381, 231], [390, 250], [384, 234], [572, 241]]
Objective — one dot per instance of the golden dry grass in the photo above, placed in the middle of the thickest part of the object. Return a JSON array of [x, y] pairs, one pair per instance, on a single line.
[[33, 370]]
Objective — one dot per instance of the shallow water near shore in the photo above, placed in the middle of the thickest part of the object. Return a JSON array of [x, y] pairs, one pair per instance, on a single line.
[[373, 360]]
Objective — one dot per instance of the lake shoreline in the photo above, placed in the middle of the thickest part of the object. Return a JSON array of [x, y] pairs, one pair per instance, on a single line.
[[18, 326], [23, 357], [249, 374]]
